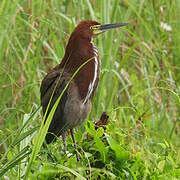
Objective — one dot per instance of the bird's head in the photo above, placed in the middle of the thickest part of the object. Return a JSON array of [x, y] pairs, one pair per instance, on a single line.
[[90, 29]]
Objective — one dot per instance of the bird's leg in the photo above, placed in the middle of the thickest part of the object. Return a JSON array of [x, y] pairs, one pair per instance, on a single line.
[[64, 142], [75, 145]]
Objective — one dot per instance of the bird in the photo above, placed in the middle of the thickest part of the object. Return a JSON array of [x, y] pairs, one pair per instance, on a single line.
[[81, 57]]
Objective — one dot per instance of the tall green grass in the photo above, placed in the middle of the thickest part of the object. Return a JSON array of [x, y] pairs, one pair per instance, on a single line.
[[139, 89]]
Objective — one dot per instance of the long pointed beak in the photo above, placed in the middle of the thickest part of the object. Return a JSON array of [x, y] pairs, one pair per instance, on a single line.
[[98, 29], [106, 27]]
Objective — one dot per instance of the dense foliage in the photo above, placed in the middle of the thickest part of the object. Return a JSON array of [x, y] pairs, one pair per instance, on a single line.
[[139, 90]]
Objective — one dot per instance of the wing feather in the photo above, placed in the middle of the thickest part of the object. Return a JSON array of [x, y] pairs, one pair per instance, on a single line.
[[55, 81]]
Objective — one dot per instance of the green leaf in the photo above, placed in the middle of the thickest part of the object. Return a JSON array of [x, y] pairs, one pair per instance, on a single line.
[[90, 128], [101, 148], [100, 132], [121, 153]]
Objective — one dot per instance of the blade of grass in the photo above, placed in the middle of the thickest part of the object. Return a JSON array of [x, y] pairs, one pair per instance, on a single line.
[[9, 165], [39, 139]]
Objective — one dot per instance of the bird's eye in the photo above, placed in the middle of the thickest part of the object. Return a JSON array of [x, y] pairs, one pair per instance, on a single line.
[[95, 27]]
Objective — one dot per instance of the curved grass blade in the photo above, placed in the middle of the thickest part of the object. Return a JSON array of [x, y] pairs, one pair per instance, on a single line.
[[44, 127]]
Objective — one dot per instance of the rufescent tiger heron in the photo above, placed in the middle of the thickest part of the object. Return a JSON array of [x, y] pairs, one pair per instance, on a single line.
[[75, 103]]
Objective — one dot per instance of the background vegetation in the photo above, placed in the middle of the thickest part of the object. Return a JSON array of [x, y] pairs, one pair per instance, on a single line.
[[139, 89]]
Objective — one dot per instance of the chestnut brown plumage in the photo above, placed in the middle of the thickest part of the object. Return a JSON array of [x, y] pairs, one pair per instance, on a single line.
[[75, 103]]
